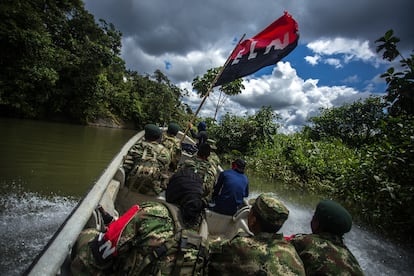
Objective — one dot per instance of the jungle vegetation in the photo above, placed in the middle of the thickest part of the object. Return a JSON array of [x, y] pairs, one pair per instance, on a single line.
[[58, 63]]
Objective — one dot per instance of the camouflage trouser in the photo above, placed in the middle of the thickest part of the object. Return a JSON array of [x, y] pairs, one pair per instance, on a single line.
[[83, 262]]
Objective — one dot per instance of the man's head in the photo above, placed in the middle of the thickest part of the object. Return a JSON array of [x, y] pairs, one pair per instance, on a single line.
[[173, 129], [204, 151], [202, 126], [331, 217], [185, 189], [267, 214], [152, 132], [238, 165]]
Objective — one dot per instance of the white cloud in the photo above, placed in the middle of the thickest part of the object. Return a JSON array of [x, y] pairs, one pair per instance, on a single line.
[[344, 51], [334, 62], [313, 60], [351, 79], [351, 48], [293, 98]]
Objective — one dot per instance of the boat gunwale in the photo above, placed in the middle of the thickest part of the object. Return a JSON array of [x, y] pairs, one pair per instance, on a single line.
[[50, 260]]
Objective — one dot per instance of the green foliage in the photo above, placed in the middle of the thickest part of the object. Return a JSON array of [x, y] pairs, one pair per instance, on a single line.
[[203, 85], [61, 64], [245, 134], [356, 153], [355, 124], [400, 90]]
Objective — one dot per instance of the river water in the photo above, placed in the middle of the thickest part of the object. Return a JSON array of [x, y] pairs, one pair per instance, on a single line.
[[45, 168]]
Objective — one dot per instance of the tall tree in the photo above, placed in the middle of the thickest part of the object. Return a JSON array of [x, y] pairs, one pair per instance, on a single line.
[[400, 90], [202, 84], [355, 124]]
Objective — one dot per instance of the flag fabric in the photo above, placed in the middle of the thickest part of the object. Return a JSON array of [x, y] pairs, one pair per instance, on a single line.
[[266, 48]]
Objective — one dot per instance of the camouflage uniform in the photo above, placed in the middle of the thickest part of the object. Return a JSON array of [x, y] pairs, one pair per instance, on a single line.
[[173, 144], [205, 170], [325, 254], [261, 254], [214, 159], [152, 229], [159, 179]]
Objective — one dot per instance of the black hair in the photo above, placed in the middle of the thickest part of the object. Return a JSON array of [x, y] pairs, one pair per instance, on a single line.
[[185, 189]]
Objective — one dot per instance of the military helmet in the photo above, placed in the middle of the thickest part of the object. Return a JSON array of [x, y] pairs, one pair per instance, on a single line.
[[152, 132], [270, 209], [333, 217], [173, 129]]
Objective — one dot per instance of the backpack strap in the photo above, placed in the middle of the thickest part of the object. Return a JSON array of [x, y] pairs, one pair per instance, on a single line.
[[183, 238]]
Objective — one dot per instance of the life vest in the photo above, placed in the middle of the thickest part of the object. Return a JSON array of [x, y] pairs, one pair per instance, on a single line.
[[106, 247]]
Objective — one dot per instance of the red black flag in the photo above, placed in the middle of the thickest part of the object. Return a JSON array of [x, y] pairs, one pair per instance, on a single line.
[[264, 49]]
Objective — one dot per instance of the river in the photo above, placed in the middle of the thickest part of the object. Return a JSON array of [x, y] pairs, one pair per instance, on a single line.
[[45, 168]]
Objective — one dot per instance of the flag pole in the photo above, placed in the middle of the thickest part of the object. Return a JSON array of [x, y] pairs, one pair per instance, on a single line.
[[210, 88]]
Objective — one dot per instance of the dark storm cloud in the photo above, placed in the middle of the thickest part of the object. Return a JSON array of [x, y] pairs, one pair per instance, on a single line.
[[367, 20], [159, 26]]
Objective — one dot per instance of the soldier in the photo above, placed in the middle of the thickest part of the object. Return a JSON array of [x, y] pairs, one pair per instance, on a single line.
[[200, 165], [201, 134], [323, 252], [146, 164], [214, 159], [155, 238], [265, 253], [173, 144]]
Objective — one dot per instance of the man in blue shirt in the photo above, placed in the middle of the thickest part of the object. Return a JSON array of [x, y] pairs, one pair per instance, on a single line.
[[231, 188]]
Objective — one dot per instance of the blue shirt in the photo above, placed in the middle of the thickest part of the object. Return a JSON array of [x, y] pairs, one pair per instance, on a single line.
[[232, 186]]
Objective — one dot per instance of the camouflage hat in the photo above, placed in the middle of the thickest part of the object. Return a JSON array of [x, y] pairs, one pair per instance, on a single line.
[[270, 209], [152, 132], [333, 217], [212, 143], [173, 128]]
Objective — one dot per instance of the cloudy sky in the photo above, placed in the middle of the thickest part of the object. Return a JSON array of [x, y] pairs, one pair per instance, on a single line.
[[334, 63]]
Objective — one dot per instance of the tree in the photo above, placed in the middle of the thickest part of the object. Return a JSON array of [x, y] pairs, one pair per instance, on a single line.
[[202, 85], [400, 97], [355, 124], [244, 134]]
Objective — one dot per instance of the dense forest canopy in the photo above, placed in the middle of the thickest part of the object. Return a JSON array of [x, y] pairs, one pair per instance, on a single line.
[[58, 63]]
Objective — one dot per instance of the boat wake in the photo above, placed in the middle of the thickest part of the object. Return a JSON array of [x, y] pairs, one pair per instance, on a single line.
[[27, 222]]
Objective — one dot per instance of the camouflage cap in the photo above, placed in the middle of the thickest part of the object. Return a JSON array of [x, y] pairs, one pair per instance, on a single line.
[[152, 132], [173, 128], [333, 217], [212, 143], [270, 209]]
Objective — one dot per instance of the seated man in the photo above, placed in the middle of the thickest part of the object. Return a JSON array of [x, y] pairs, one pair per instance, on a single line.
[[265, 253], [155, 238], [146, 164], [231, 188], [323, 252], [202, 167], [173, 144]]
